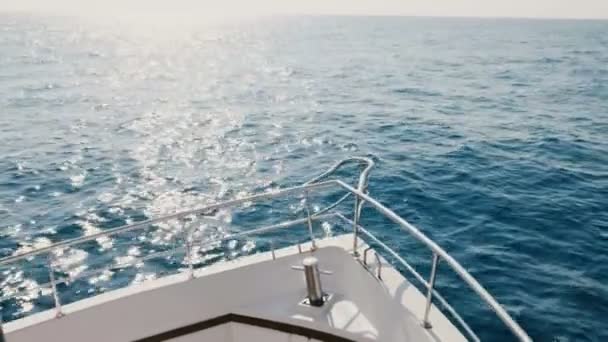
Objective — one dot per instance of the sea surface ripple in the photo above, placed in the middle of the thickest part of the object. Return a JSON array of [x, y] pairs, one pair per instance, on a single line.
[[489, 135]]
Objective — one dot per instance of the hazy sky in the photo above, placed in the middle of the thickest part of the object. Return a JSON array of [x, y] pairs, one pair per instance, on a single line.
[[483, 8]]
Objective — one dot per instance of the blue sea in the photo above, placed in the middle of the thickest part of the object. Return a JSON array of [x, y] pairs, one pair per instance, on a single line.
[[490, 135]]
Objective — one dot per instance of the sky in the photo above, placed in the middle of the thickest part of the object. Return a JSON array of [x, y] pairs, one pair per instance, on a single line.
[[594, 9]]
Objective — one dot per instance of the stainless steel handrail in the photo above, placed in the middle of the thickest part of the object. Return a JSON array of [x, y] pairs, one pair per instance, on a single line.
[[203, 243], [418, 277], [363, 176], [443, 255], [362, 182], [176, 216], [311, 186]]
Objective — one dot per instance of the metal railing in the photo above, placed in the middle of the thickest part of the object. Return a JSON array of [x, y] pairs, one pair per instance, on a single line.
[[316, 185], [439, 254]]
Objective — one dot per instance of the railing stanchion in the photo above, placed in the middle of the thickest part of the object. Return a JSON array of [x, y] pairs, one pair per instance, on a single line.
[[189, 256], [310, 231], [356, 226], [429, 293], [274, 257], [59, 313], [189, 241]]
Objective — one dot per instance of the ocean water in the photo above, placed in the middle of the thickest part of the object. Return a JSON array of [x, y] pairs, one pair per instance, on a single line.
[[490, 135]]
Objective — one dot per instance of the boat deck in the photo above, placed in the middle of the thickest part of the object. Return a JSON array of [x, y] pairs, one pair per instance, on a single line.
[[361, 307]]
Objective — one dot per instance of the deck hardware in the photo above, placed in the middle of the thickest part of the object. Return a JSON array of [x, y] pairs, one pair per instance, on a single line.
[[379, 272], [299, 248], [429, 292], [313, 281], [301, 268], [58, 313], [365, 255], [312, 274], [378, 262]]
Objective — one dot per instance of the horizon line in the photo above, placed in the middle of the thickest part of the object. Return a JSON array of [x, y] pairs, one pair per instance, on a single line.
[[305, 14]]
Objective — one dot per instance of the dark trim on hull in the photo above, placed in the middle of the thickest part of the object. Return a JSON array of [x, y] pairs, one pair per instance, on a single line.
[[255, 321]]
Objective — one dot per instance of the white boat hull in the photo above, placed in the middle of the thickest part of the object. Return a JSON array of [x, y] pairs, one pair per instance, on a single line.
[[361, 307]]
